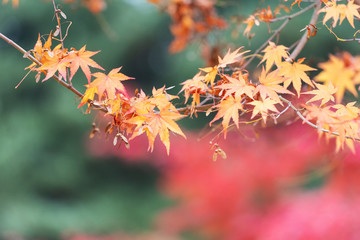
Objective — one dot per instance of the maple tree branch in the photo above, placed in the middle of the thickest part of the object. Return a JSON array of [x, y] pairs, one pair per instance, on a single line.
[[342, 39], [304, 39], [294, 14], [63, 83], [31, 58], [297, 111]]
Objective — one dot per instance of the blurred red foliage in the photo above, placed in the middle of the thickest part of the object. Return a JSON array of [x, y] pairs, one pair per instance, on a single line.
[[287, 184]]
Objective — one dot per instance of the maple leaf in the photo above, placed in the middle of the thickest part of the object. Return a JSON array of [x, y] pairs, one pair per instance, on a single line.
[[228, 109], [194, 87], [157, 123], [88, 95], [269, 86], [348, 112], [82, 59], [237, 87], [250, 21], [340, 11], [350, 11], [331, 11], [323, 93], [230, 58], [339, 75], [109, 83], [53, 61], [295, 72], [211, 73], [161, 99], [323, 116], [274, 54], [263, 107]]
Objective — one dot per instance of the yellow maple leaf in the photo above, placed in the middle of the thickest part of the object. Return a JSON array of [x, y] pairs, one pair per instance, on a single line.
[[211, 73], [88, 95], [349, 11], [295, 72], [339, 75], [336, 12], [323, 93], [274, 54], [228, 109]]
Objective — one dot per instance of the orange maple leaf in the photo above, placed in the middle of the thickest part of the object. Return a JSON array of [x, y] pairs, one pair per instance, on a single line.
[[295, 72], [263, 107], [323, 93], [342, 77], [323, 116], [228, 109], [347, 112], [230, 58], [274, 54], [82, 59], [157, 123], [250, 21], [109, 83], [54, 61], [269, 86], [237, 87]]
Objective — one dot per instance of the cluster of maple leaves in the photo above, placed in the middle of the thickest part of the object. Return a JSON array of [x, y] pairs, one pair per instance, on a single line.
[[227, 88]]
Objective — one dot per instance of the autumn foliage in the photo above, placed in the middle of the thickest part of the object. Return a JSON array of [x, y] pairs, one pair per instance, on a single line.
[[237, 94], [242, 94]]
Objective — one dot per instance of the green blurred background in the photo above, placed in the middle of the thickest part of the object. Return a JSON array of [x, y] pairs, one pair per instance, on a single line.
[[49, 183]]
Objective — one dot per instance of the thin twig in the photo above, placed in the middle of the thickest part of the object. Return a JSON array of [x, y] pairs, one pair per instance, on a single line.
[[293, 15], [310, 123], [277, 31]]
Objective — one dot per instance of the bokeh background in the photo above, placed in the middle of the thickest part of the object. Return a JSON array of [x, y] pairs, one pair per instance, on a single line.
[[55, 183]]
